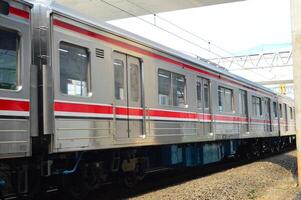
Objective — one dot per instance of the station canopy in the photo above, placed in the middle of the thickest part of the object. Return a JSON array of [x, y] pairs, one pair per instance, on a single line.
[[106, 10]]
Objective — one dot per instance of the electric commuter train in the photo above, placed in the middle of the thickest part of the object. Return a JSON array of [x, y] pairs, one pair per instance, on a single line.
[[83, 102]]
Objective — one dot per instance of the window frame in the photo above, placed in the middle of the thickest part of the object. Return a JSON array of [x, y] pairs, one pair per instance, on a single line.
[[285, 111], [275, 109], [209, 94], [280, 111], [241, 94], [223, 99], [132, 97], [201, 81], [89, 70], [170, 101], [171, 89], [255, 114], [124, 80], [291, 113], [199, 93], [18, 60]]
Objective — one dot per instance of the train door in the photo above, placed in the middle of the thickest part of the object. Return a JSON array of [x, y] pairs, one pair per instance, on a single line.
[[15, 80], [128, 98], [267, 115], [285, 117], [243, 111], [135, 112], [203, 103]]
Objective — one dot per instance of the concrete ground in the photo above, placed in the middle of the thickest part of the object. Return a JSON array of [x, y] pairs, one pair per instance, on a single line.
[[273, 178]]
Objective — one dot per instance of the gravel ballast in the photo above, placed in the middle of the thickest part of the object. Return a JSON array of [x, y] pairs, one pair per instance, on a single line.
[[273, 178]]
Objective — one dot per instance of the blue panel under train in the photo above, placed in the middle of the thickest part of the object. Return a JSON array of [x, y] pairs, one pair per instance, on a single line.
[[230, 147], [192, 156], [212, 153], [172, 155], [195, 154]]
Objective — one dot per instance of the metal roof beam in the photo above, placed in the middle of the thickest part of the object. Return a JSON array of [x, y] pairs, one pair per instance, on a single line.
[[101, 9]]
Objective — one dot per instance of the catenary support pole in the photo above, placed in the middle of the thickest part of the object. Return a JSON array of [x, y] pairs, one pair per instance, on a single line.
[[296, 39]]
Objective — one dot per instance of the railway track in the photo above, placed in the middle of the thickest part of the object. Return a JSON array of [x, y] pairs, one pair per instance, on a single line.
[[160, 179]]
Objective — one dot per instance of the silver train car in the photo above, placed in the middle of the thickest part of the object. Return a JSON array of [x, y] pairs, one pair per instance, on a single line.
[[78, 95]]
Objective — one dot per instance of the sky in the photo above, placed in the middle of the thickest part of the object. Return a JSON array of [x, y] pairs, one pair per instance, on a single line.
[[232, 29], [235, 27]]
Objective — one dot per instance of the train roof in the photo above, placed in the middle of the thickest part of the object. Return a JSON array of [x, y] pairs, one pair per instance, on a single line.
[[62, 10], [28, 3]]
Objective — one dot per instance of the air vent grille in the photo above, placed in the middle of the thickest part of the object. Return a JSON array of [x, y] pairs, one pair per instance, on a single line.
[[100, 53]]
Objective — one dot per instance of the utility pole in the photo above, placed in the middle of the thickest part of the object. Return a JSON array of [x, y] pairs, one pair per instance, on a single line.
[[296, 39]]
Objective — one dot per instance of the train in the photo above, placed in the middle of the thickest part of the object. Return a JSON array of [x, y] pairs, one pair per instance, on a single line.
[[83, 103]]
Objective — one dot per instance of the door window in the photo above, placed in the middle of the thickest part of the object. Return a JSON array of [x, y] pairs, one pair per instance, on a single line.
[[275, 111], [199, 93], [119, 79], [206, 94], [9, 59], [256, 105], [134, 82], [203, 96], [243, 103]]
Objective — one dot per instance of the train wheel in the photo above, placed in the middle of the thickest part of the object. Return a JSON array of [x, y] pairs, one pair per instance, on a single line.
[[76, 187], [89, 178], [34, 185], [278, 148], [130, 179], [272, 148]]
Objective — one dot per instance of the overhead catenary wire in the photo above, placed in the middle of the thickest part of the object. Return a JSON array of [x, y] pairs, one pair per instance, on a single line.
[[163, 29], [173, 34], [193, 34], [182, 29]]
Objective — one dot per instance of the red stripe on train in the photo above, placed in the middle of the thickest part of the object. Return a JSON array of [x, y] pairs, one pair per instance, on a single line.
[[129, 111], [172, 114], [84, 108], [18, 12], [230, 118], [145, 52], [108, 109], [14, 105], [260, 121]]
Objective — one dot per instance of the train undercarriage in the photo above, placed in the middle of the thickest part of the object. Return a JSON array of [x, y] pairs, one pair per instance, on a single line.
[[82, 172]]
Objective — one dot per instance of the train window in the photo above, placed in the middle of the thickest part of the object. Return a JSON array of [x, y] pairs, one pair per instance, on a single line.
[[134, 82], [275, 109], [199, 94], [119, 79], [172, 88], [257, 106], [225, 99], [4, 8], [9, 59], [280, 110], [243, 102], [74, 69], [179, 84], [206, 93], [286, 117], [203, 96], [294, 113], [164, 79]]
